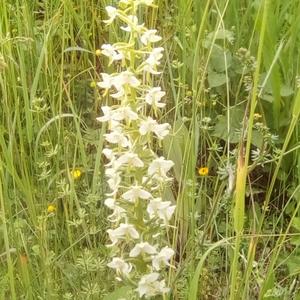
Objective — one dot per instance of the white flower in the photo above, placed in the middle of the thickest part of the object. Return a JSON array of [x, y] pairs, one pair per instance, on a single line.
[[136, 192], [107, 114], [124, 78], [161, 130], [124, 113], [123, 231], [147, 126], [111, 172], [130, 159], [110, 203], [150, 36], [111, 52], [150, 125], [130, 178], [160, 166], [117, 214], [149, 286], [153, 60], [154, 96], [112, 13], [160, 209], [120, 266], [114, 182], [132, 24], [155, 56], [127, 77], [114, 179], [109, 154], [162, 258], [117, 137], [118, 81], [107, 81], [141, 249]]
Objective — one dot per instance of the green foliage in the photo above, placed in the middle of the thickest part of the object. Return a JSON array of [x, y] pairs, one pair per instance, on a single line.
[[49, 103]]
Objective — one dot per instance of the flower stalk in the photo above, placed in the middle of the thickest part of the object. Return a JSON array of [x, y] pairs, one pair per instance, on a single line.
[[137, 176]]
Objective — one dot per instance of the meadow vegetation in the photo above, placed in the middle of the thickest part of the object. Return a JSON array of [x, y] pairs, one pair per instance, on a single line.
[[230, 70]]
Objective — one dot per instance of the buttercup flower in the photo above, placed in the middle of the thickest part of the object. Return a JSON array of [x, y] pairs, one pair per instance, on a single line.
[[203, 171], [93, 84], [98, 52], [51, 208], [75, 173]]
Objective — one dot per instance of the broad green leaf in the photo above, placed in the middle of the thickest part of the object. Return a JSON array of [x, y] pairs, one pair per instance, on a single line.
[[221, 129], [221, 34], [235, 124], [216, 79], [296, 223], [286, 91], [220, 59], [267, 97], [295, 240], [293, 264]]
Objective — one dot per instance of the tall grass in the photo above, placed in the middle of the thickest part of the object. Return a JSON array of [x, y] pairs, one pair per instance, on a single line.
[[236, 237]]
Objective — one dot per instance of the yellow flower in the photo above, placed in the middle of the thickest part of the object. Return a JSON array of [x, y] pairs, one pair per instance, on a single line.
[[51, 208], [75, 173], [257, 116], [203, 171], [93, 84], [98, 52]]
